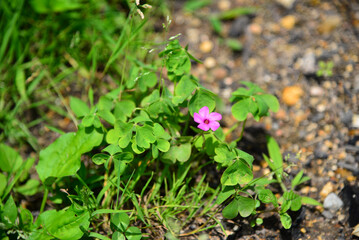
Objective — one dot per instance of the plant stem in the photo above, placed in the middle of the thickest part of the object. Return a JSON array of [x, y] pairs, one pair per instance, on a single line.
[[44, 199], [232, 129], [243, 126]]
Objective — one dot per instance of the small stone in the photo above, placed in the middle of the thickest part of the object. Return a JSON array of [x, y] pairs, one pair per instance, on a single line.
[[319, 154], [308, 63], [239, 26], [255, 28], [329, 24], [355, 121], [224, 5], [210, 62], [220, 73], [356, 83], [286, 3], [333, 202], [328, 188], [288, 22], [206, 46], [316, 91], [291, 95], [327, 214]]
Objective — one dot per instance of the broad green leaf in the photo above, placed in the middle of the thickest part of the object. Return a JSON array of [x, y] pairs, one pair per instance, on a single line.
[[201, 98], [235, 12], [267, 196], [224, 155], [163, 145], [144, 136], [184, 88], [46, 6], [147, 80], [133, 233], [216, 25], [79, 107], [246, 206], [125, 157], [40, 234], [226, 192], [245, 156], [118, 236], [65, 224], [30, 188], [124, 109], [10, 160], [181, 153], [237, 173], [241, 109], [105, 103], [9, 213], [262, 107], [100, 158], [26, 219], [63, 157], [153, 97], [112, 149], [120, 221], [286, 220], [271, 101], [296, 203], [107, 116], [160, 132], [231, 210]]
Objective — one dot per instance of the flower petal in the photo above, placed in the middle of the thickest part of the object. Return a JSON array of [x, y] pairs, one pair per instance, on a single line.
[[215, 116], [213, 125], [204, 112], [204, 127], [198, 118]]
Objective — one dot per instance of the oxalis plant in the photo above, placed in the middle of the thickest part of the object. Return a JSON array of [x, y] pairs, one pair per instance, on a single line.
[[137, 163]]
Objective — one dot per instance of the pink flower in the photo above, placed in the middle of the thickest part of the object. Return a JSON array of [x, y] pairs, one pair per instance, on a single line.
[[207, 120]]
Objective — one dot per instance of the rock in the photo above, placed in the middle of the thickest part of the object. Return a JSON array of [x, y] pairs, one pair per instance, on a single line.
[[327, 214], [224, 5], [255, 28], [292, 94], [210, 62], [286, 3], [328, 188], [307, 63], [288, 22], [346, 117], [316, 91], [239, 26], [319, 154], [220, 73], [355, 121], [329, 24], [206, 46], [333, 202], [356, 83]]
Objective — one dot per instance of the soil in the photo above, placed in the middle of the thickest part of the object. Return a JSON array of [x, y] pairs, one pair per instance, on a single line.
[[282, 47]]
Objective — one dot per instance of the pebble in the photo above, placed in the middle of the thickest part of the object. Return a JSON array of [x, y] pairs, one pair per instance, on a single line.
[[308, 63], [255, 28], [224, 5], [355, 121], [288, 22], [292, 94], [356, 83], [286, 3], [239, 26], [327, 214], [220, 73], [206, 46], [210, 62], [316, 91], [329, 24], [328, 188], [333, 202]]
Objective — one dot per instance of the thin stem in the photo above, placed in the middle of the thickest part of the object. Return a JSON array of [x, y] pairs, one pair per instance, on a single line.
[[243, 126], [44, 200], [232, 129]]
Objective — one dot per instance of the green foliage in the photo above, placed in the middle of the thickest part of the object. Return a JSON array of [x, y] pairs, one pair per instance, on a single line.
[[325, 69]]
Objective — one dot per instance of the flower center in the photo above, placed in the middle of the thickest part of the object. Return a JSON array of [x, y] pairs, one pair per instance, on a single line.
[[206, 121]]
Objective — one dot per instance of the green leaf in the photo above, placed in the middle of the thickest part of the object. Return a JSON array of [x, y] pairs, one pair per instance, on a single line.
[[245, 156], [79, 107], [26, 219], [297, 179], [105, 102], [100, 158], [112, 149], [235, 12], [246, 206], [3, 183], [241, 109], [163, 145], [153, 97], [124, 109], [226, 192], [267, 196], [63, 157], [118, 236], [10, 160], [224, 156], [286, 220], [182, 153], [133, 233], [216, 24], [296, 203], [160, 132], [20, 83], [231, 210], [144, 136], [9, 213], [193, 5], [184, 88], [125, 157], [147, 80], [271, 101], [65, 224], [275, 155], [200, 99], [45, 6], [107, 116], [30, 188], [120, 221], [237, 173], [234, 44], [310, 201]]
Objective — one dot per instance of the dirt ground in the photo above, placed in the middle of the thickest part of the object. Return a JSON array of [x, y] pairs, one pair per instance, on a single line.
[[283, 43]]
